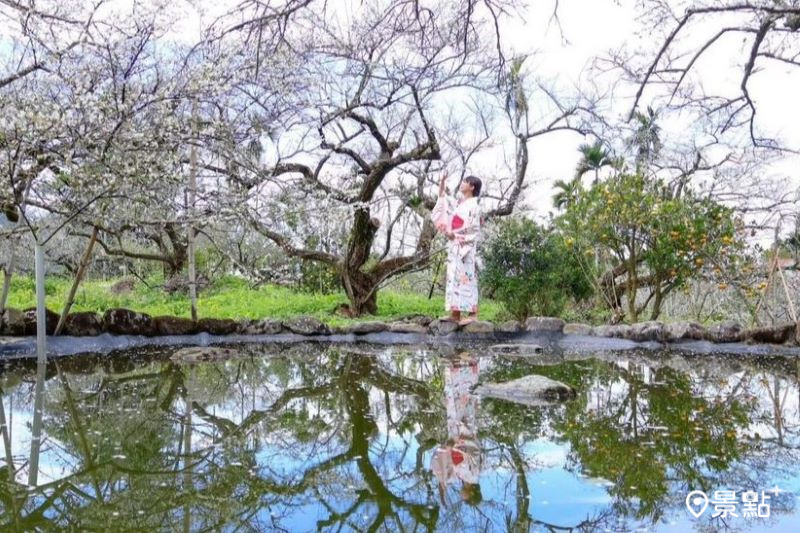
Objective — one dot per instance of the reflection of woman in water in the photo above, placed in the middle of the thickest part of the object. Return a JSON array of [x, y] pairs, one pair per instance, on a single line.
[[459, 457]]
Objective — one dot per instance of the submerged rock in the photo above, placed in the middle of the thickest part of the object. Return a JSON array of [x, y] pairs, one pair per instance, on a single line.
[[306, 325], [195, 354], [577, 329], [83, 324], [127, 322], [530, 390], [174, 325], [544, 323], [521, 350]]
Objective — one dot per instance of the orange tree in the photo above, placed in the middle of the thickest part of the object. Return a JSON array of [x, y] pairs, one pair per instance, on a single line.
[[638, 242]]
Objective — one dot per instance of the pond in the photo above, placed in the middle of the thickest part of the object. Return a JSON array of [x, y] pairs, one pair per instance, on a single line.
[[367, 438]]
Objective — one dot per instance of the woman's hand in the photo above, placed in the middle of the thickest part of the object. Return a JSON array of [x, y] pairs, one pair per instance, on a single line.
[[450, 235]]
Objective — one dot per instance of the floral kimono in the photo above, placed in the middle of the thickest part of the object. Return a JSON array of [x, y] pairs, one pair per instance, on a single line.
[[464, 220], [460, 457]]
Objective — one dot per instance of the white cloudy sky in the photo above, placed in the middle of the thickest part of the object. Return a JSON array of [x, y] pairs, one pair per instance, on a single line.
[[593, 28]]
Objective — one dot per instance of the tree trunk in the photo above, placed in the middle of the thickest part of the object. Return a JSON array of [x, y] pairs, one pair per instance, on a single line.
[[659, 298], [177, 254], [87, 255], [360, 287], [362, 291]]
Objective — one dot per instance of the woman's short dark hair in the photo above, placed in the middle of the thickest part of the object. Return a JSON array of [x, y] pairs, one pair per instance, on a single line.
[[476, 184]]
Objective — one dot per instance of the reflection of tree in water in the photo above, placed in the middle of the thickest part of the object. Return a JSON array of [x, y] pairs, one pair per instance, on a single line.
[[123, 438], [653, 432], [337, 439]]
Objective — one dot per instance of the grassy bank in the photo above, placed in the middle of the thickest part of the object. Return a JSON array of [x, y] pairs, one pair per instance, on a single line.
[[228, 298]]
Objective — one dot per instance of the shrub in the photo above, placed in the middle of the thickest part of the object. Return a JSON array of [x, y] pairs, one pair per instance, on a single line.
[[530, 269]]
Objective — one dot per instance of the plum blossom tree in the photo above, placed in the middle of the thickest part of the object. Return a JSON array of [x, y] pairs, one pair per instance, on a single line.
[[362, 111]]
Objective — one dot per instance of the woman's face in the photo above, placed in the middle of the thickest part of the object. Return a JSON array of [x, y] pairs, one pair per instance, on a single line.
[[465, 188]]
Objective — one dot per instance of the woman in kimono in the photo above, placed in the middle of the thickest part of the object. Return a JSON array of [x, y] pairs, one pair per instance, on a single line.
[[460, 222]]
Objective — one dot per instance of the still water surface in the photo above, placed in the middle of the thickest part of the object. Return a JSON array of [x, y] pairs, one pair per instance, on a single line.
[[359, 438]]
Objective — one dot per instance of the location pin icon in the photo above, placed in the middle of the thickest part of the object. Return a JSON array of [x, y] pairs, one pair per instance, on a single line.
[[696, 502]]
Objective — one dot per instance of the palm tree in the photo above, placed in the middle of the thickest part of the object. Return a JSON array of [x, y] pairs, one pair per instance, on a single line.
[[567, 192], [594, 157], [516, 99], [646, 139]]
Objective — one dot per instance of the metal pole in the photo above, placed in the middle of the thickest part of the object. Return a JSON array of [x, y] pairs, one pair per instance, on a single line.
[[41, 340], [187, 451], [190, 229], [41, 366], [36, 429]]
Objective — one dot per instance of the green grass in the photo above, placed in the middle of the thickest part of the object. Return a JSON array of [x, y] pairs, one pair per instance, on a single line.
[[230, 297]]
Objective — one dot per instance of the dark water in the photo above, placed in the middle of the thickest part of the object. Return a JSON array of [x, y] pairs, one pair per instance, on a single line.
[[339, 439]]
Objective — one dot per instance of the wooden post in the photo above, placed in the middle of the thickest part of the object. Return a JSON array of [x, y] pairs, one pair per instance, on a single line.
[[792, 309], [435, 277], [87, 255], [762, 298]]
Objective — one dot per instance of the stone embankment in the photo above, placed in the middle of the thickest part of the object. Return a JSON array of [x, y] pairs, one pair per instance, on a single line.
[[16, 323]]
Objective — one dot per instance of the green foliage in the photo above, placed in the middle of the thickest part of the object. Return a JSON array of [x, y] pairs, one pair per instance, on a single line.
[[318, 278], [566, 193], [315, 277], [207, 259], [530, 270], [646, 138], [639, 451], [228, 297], [593, 158], [660, 239]]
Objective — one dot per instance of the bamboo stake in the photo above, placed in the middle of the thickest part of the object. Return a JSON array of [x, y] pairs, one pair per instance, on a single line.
[[772, 268], [87, 255], [792, 309]]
